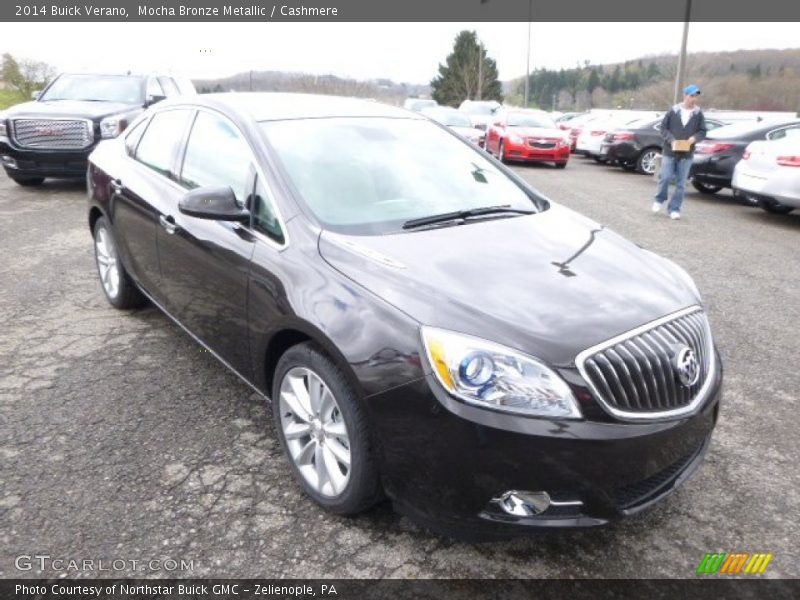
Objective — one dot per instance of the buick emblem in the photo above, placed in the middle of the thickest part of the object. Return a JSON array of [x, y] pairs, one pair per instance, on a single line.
[[687, 367]]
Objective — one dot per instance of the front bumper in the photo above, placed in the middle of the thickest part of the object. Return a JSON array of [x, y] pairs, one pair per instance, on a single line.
[[444, 461], [525, 152], [19, 162]]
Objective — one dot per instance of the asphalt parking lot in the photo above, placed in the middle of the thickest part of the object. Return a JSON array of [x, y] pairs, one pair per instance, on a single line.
[[121, 439]]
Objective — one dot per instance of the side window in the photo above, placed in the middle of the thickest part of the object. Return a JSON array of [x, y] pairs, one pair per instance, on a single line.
[[133, 135], [154, 88], [217, 154], [264, 218], [169, 87], [779, 134], [159, 142]]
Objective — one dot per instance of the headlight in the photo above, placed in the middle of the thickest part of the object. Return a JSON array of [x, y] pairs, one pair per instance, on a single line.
[[111, 127], [514, 138], [492, 376]]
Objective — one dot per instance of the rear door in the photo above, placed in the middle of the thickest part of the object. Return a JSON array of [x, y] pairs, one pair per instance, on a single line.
[[205, 263], [144, 191]]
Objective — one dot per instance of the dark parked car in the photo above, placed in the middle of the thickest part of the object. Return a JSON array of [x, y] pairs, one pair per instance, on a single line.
[[716, 157], [426, 324], [636, 146], [53, 135]]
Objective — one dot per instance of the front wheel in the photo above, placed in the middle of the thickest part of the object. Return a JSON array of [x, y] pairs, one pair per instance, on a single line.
[[646, 163], [501, 152], [118, 287], [705, 188], [561, 165], [324, 432]]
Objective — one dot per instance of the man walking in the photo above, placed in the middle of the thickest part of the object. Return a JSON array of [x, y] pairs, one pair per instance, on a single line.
[[682, 127]]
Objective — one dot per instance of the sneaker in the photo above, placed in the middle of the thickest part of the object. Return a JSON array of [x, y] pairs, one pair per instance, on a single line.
[[656, 207], [674, 215]]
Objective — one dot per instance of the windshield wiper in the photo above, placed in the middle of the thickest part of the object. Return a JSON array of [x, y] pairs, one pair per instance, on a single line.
[[464, 214]]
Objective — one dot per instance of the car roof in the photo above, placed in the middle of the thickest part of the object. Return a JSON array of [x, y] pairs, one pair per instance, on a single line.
[[279, 106], [746, 129]]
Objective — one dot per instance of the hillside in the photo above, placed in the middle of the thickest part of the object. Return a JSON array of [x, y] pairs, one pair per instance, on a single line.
[[741, 80], [384, 90]]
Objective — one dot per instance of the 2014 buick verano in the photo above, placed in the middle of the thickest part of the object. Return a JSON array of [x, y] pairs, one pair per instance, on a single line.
[[426, 324]]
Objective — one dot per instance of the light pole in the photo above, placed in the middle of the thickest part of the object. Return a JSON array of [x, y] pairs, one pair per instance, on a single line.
[[528, 55], [682, 58]]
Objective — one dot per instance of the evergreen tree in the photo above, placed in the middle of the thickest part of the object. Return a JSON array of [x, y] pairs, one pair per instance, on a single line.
[[468, 73]]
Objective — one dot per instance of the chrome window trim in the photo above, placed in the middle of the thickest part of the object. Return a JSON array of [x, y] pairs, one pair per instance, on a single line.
[[701, 396], [13, 130]]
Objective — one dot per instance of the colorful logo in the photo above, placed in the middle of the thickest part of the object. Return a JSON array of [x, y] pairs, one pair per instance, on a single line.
[[734, 563]]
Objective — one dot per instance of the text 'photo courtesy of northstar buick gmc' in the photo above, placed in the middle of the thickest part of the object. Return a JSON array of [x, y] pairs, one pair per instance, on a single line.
[[426, 326]]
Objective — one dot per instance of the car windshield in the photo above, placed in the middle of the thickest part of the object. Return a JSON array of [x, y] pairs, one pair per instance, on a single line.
[[420, 104], [450, 118], [99, 88], [528, 120], [368, 176]]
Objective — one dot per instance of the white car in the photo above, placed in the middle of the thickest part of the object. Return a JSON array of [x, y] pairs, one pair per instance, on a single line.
[[480, 111], [457, 121], [419, 104], [769, 174]]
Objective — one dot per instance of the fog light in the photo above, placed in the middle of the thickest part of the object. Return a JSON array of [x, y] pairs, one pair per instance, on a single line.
[[523, 504], [8, 161]]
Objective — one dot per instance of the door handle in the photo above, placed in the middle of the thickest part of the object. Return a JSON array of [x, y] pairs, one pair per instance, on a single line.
[[168, 223], [116, 186]]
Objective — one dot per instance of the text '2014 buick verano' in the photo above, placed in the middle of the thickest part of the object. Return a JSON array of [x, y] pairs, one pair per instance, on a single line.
[[427, 326]]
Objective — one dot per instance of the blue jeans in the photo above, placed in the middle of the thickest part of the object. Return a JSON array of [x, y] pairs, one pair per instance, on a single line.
[[672, 167]]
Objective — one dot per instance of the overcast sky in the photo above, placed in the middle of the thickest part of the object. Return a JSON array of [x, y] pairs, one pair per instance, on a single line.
[[404, 52]]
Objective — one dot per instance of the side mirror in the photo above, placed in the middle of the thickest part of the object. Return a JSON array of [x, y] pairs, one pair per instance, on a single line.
[[35, 94], [152, 99], [217, 203]]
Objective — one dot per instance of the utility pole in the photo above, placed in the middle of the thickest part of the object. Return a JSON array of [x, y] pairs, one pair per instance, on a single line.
[[479, 94], [682, 58], [528, 54]]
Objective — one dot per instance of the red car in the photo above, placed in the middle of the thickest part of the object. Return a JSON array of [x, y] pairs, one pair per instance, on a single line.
[[527, 136]]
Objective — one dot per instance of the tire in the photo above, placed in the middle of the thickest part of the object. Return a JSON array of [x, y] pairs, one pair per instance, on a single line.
[[561, 165], [646, 162], [28, 181], [776, 209], [341, 493], [118, 287], [628, 166], [501, 153], [705, 188]]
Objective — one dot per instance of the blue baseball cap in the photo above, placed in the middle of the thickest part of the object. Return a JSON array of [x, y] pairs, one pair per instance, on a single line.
[[691, 90]]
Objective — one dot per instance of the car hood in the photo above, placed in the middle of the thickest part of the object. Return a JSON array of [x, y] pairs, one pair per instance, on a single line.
[[69, 108], [550, 284], [544, 132]]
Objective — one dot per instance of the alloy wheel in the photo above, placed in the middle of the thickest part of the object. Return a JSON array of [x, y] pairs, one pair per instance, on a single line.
[[107, 262], [315, 432], [647, 162]]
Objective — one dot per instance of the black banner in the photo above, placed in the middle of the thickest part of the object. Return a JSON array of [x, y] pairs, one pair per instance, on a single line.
[[390, 589], [394, 11]]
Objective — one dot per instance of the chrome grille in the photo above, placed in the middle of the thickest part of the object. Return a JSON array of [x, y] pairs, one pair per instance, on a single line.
[[53, 134], [541, 143], [635, 375]]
